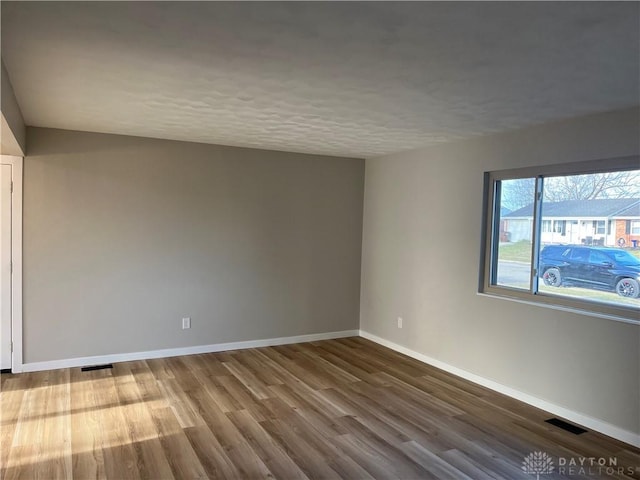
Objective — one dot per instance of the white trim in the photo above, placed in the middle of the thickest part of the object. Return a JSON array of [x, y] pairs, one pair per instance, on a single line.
[[585, 420], [175, 352], [555, 306], [16, 259], [582, 419]]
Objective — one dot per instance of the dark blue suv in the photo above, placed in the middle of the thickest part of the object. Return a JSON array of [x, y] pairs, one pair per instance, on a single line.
[[602, 268]]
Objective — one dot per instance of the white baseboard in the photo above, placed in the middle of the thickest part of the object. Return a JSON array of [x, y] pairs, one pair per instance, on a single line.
[[584, 420], [175, 352]]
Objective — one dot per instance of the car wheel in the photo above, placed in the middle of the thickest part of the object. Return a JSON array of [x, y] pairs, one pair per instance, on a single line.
[[552, 277], [628, 287]]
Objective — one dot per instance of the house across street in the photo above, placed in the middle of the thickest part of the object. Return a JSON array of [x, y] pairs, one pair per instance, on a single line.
[[607, 222]]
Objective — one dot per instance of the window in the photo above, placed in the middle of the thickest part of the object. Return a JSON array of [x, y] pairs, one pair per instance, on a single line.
[[565, 260], [598, 258], [580, 255], [599, 227], [560, 226]]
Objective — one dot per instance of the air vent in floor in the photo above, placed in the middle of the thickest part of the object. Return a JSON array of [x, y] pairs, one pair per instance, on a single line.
[[566, 426], [97, 367]]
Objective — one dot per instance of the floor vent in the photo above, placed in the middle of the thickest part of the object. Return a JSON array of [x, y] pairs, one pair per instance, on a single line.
[[97, 367], [5, 370], [566, 426]]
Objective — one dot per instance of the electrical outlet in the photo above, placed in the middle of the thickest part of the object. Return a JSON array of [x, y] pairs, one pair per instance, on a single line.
[[186, 323], [399, 322]]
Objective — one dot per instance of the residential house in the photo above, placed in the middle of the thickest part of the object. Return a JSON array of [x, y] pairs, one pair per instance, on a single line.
[[607, 222]]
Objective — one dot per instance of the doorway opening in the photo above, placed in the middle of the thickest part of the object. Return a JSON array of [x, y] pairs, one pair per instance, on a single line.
[[11, 264]]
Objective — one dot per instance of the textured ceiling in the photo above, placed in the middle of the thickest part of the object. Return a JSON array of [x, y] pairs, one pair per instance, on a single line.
[[339, 78]]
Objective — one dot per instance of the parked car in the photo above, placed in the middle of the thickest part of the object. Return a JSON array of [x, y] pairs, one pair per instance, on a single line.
[[601, 268]]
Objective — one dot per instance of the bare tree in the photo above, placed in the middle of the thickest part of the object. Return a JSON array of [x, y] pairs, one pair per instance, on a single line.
[[518, 193], [592, 186]]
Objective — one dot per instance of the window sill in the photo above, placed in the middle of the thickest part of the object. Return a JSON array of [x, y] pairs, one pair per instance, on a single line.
[[563, 308]]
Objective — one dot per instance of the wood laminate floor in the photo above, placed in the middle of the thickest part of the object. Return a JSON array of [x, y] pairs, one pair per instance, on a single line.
[[334, 409]]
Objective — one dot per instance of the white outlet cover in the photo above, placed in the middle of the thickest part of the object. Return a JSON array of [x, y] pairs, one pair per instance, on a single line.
[[186, 323]]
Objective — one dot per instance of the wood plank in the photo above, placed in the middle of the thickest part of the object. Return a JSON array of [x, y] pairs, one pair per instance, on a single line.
[[265, 446], [152, 463], [235, 447], [177, 449], [345, 408], [13, 388]]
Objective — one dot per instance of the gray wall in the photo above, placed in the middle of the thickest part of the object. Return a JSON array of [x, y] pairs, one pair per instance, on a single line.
[[13, 127], [422, 229], [124, 236]]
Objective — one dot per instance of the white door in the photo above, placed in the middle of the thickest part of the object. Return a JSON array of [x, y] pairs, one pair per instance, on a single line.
[[5, 268]]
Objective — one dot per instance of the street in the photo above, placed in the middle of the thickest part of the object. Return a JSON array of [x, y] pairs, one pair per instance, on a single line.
[[513, 274]]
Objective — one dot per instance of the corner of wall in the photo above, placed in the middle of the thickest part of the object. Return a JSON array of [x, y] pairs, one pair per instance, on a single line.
[[13, 141]]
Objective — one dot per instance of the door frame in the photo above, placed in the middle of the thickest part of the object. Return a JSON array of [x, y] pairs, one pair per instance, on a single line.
[[16, 259]]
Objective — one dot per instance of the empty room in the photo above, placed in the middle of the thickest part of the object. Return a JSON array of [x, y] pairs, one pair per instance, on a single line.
[[320, 240]]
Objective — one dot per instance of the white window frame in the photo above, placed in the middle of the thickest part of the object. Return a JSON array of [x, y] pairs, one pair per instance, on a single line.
[[490, 239]]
